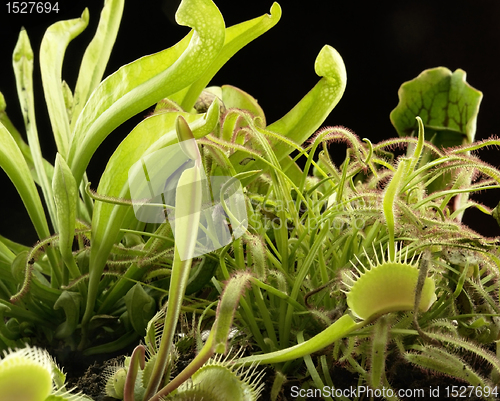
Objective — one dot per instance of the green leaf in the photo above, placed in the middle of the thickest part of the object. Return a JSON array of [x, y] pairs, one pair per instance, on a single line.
[[188, 194], [201, 274], [23, 69], [446, 103], [188, 203], [141, 307], [140, 84], [96, 55], [70, 302], [66, 198], [391, 194], [339, 329], [236, 98], [226, 309], [5, 120], [54, 44], [236, 37], [307, 116], [151, 134], [496, 213], [448, 107], [14, 165]]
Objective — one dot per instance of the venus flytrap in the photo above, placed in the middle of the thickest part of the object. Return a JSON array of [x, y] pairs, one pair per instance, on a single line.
[[369, 295], [46, 380], [203, 376]]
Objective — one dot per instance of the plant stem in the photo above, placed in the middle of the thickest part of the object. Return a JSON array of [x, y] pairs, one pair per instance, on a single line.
[[178, 282], [336, 331]]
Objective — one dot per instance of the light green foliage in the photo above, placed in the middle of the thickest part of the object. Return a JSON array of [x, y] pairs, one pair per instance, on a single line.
[[277, 290], [54, 44], [30, 374], [65, 194], [81, 118]]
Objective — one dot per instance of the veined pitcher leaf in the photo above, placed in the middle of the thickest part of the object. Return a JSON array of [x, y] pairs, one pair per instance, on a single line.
[[140, 84], [96, 56], [448, 107], [446, 103], [54, 44]]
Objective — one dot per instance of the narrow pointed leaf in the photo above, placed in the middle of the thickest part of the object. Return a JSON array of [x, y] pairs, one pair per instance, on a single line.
[[23, 69], [66, 199], [54, 44], [97, 54], [151, 134], [14, 165], [23, 146]]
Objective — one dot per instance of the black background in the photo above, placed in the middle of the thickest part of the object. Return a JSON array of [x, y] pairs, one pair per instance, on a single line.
[[383, 44]]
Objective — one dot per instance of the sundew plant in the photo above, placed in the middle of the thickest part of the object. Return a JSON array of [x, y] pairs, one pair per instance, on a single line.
[[216, 234]]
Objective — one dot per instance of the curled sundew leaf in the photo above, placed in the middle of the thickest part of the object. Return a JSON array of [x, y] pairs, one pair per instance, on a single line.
[[140, 84], [447, 104], [54, 44], [387, 287], [226, 309]]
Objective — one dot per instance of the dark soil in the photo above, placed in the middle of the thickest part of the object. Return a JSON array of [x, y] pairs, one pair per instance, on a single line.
[[93, 381]]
